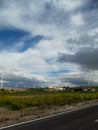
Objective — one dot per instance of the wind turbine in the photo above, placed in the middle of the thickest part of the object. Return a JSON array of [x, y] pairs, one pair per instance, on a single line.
[[1, 79]]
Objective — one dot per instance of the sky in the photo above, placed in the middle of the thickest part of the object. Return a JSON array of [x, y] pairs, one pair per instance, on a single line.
[[48, 42]]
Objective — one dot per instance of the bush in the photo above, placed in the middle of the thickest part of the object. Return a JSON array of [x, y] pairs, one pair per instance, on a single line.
[[17, 102]]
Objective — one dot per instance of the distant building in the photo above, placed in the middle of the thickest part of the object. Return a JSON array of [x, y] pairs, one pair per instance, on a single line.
[[52, 88], [89, 89]]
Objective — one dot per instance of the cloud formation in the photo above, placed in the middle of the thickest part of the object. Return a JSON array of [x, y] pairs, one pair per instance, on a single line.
[[75, 80], [34, 32]]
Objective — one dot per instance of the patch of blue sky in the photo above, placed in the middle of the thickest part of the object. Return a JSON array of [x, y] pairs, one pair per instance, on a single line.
[[48, 61], [9, 38], [31, 43], [53, 73]]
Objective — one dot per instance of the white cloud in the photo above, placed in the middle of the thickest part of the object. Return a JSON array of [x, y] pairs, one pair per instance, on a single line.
[[30, 16], [58, 21], [93, 32], [9, 59], [77, 20]]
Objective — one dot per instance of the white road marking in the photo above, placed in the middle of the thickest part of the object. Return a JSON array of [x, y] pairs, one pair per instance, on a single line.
[[1, 128], [96, 121]]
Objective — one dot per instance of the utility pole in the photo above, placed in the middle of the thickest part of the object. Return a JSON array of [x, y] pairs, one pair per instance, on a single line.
[[87, 73]]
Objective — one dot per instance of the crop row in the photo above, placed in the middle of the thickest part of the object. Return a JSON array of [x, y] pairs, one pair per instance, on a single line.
[[42, 100]]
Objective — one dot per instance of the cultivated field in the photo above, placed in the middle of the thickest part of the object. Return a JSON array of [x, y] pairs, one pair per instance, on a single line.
[[34, 103]]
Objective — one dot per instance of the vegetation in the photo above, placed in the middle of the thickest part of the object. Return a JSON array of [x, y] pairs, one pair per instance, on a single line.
[[41, 98]]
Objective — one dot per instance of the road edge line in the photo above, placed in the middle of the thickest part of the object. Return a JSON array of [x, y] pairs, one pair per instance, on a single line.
[[46, 117]]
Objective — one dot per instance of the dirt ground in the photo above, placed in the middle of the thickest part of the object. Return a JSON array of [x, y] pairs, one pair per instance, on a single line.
[[8, 117]]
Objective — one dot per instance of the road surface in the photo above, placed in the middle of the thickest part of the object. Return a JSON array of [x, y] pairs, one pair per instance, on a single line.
[[83, 119]]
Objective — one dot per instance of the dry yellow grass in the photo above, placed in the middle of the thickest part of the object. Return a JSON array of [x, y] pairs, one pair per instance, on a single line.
[[8, 117], [14, 89]]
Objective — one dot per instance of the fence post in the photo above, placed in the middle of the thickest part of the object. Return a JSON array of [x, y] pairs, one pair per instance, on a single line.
[[21, 107], [46, 98]]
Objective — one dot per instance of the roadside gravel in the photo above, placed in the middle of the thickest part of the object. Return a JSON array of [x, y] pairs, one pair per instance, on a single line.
[[8, 117]]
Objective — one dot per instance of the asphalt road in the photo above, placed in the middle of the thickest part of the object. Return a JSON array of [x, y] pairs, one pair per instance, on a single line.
[[84, 119]]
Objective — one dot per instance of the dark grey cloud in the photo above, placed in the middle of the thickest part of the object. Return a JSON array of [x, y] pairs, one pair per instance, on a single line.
[[94, 3], [13, 80], [84, 39], [30, 15], [85, 56], [75, 80], [53, 15]]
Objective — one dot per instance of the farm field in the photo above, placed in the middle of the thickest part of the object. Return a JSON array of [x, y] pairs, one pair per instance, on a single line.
[[34, 103]]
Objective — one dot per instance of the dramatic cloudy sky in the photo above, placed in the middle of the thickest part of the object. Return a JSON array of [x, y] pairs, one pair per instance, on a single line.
[[48, 42]]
